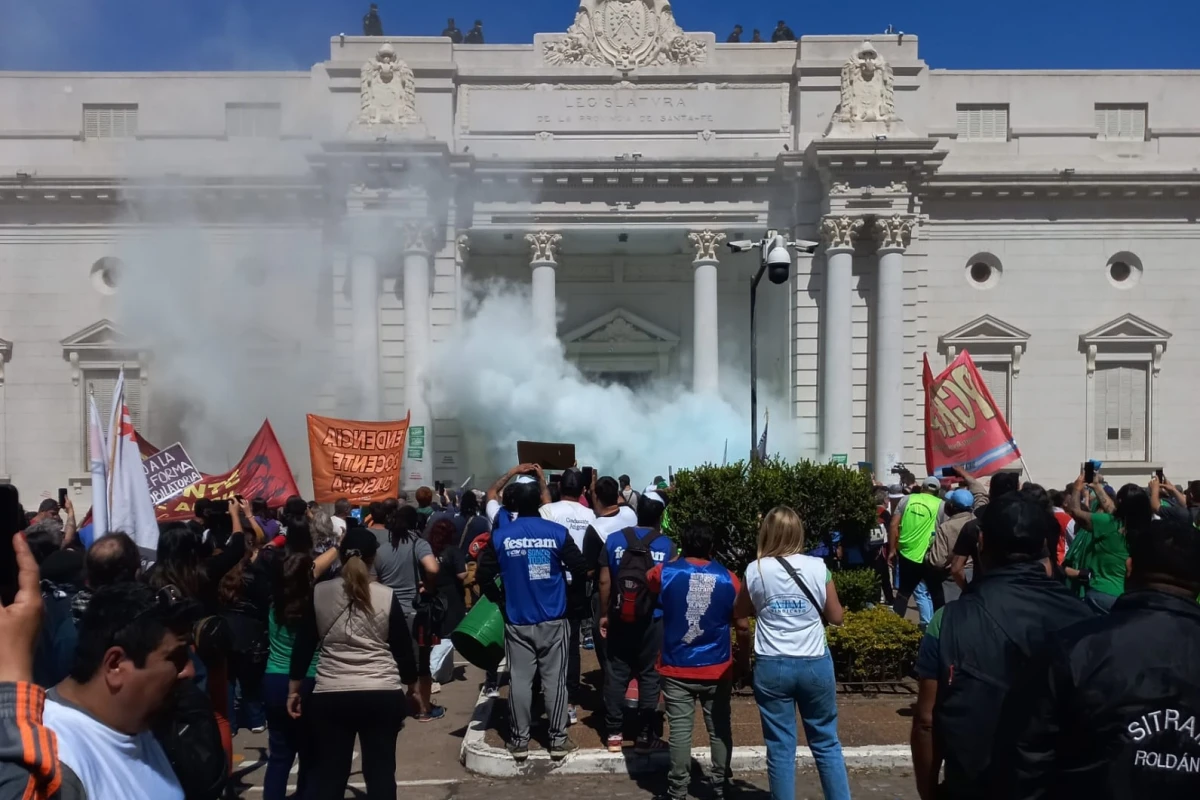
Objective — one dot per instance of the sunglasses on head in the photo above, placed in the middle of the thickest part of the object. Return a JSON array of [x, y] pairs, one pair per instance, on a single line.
[[167, 599]]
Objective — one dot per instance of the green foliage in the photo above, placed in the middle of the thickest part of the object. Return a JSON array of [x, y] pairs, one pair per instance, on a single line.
[[874, 645], [856, 588], [733, 499]]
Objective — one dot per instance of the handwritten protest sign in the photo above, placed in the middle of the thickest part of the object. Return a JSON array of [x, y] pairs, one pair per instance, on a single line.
[[360, 461], [169, 472]]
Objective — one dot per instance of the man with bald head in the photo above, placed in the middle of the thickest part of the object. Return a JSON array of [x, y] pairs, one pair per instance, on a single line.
[[111, 559]]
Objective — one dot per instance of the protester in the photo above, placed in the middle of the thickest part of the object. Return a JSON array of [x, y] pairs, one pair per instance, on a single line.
[[1097, 560], [966, 548], [343, 517], [628, 496], [976, 648], [287, 738], [245, 598], [1066, 525], [959, 510], [451, 572], [366, 658], [111, 559], [424, 505], [532, 556], [133, 650], [611, 515], [698, 596], [406, 564], [631, 623], [265, 517], [913, 525], [793, 597], [1110, 710]]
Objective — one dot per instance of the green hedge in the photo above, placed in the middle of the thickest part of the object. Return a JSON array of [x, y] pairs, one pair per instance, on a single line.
[[856, 588], [872, 646], [733, 498]]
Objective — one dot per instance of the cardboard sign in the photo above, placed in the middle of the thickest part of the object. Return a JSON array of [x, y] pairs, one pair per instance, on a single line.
[[360, 461], [169, 472], [547, 455]]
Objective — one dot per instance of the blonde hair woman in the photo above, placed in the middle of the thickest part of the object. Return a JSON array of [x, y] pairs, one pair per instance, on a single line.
[[793, 597]]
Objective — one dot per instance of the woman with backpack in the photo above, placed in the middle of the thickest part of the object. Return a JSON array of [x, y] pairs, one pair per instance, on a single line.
[[793, 596], [287, 738], [366, 659]]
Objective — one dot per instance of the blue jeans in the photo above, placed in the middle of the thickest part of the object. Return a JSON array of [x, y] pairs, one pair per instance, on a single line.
[[781, 685], [920, 596], [287, 738]]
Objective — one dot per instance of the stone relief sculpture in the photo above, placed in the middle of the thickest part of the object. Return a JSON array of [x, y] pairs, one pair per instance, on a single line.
[[388, 94], [706, 243], [867, 108], [625, 34]]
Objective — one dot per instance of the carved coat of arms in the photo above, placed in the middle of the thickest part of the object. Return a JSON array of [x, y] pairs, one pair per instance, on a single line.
[[387, 92], [624, 34]]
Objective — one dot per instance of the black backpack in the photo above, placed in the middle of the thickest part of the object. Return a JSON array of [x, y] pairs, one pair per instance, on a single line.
[[632, 599], [189, 736]]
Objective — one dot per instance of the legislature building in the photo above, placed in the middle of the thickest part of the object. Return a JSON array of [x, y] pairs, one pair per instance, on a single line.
[[1044, 221]]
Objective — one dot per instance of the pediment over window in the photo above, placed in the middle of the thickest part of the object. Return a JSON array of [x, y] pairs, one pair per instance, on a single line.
[[103, 345], [1127, 338], [986, 336], [5, 356], [621, 329]]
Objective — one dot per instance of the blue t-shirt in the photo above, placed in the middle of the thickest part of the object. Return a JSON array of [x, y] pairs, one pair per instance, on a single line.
[[701, 598], [529, 551], [662, 549]]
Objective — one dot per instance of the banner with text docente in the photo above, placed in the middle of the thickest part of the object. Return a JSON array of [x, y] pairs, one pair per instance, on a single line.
[[360, 461]]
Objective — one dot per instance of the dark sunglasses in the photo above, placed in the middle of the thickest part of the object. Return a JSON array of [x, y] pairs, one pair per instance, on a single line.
[[166, 600]]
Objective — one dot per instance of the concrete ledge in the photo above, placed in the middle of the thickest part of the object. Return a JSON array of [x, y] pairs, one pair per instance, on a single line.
[[479, 757]]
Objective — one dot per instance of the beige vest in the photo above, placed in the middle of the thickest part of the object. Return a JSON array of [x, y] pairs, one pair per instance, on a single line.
[[941, 550], [354, 655]]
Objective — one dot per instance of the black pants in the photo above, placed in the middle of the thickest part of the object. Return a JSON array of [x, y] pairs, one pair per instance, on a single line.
[[880, 565], [599, 641], [375, 718], [574, 640], [632, 651], [912, 573]]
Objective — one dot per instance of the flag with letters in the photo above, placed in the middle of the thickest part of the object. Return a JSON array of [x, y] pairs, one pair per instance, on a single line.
[[963, 425]]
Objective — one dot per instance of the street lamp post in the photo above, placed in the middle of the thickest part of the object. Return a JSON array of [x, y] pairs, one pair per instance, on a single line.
[[754, 362]]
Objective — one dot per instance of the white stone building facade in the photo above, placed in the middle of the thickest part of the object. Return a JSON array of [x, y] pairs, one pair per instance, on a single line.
[[1044, 221]]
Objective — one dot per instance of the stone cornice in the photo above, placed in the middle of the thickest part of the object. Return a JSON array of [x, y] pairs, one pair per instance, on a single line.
[[1064, 184]]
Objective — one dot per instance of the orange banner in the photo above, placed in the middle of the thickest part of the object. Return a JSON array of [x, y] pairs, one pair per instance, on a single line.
[[360, 461]]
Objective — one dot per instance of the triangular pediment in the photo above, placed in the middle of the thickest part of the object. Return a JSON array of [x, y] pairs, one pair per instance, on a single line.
[[5, 349], [984, 330], [102, 335], [620, 325], [1127, 329]]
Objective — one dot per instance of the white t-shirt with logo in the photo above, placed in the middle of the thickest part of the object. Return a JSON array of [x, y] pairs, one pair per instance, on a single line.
[[572, 516], [788, 625], [108, 763]]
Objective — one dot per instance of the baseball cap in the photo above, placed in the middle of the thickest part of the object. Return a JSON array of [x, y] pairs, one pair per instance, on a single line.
[[931, 483], [361, 540], [961, 497], [651, 493], [895, 491]]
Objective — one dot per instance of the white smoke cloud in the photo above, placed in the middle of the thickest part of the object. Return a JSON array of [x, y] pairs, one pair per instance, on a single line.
[[506, 384]]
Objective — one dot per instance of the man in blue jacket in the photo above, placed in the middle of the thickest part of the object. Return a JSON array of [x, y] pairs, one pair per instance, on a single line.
[[532, 557]]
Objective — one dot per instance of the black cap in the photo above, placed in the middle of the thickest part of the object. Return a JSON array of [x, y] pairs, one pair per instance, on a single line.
[[1014, 526], [359, 541]]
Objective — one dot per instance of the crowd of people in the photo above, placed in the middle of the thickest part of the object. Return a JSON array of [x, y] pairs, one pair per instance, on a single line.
[[782, 33], [1056, 661], [372, 25]]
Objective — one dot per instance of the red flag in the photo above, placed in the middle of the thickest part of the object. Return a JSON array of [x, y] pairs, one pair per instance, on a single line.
[[262, 472], [963, 425]]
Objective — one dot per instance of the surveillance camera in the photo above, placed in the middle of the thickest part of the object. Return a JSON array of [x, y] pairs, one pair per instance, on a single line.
[[881, 137], [779, 257], [805, 246], [741, 246]]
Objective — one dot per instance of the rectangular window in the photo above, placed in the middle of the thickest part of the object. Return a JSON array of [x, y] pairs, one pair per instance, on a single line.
[[1121, 419], [103, 382], [260, 120], [983, 123], [996, 377], [1121, 121], [110, 121]]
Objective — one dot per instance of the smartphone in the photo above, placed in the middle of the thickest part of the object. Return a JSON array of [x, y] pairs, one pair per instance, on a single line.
[[438, 486], [62, 498], [12, 520], [1089, 472], [587, 476], [1161, 478]]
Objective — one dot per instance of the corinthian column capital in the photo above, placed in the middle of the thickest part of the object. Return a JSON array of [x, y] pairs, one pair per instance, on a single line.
[[706, 243], [543, 246], [841, 232], [462, 246], [894, 232], [418, 236]]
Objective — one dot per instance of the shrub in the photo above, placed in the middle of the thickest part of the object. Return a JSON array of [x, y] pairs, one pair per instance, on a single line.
[[875, 645], [733, 498], [856, 588]]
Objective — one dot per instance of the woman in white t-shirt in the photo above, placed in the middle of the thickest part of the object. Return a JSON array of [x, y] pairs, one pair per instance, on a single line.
[[793, 668]]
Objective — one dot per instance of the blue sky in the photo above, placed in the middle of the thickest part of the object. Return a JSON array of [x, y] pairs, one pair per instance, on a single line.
[[294, 34]]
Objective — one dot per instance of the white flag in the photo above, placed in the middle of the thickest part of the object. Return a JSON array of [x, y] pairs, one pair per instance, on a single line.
[[98, 444], [130, 508]]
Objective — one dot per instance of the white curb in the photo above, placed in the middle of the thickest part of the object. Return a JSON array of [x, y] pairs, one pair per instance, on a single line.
[[481, 758]]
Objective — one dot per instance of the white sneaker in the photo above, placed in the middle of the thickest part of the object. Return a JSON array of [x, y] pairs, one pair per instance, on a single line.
[[491, 690], [572, 715], [437, 687]]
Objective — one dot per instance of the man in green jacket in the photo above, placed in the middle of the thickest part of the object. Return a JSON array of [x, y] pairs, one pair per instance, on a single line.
[[914, 523]]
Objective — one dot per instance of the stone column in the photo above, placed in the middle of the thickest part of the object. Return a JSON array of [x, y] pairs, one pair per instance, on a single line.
[[364, 300], [418, 248], [837, 382], [705, 339], [543, 260], [892, 235]]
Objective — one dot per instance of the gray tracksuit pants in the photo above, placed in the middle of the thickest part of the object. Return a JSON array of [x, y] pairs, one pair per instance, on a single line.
[[539, 649]]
